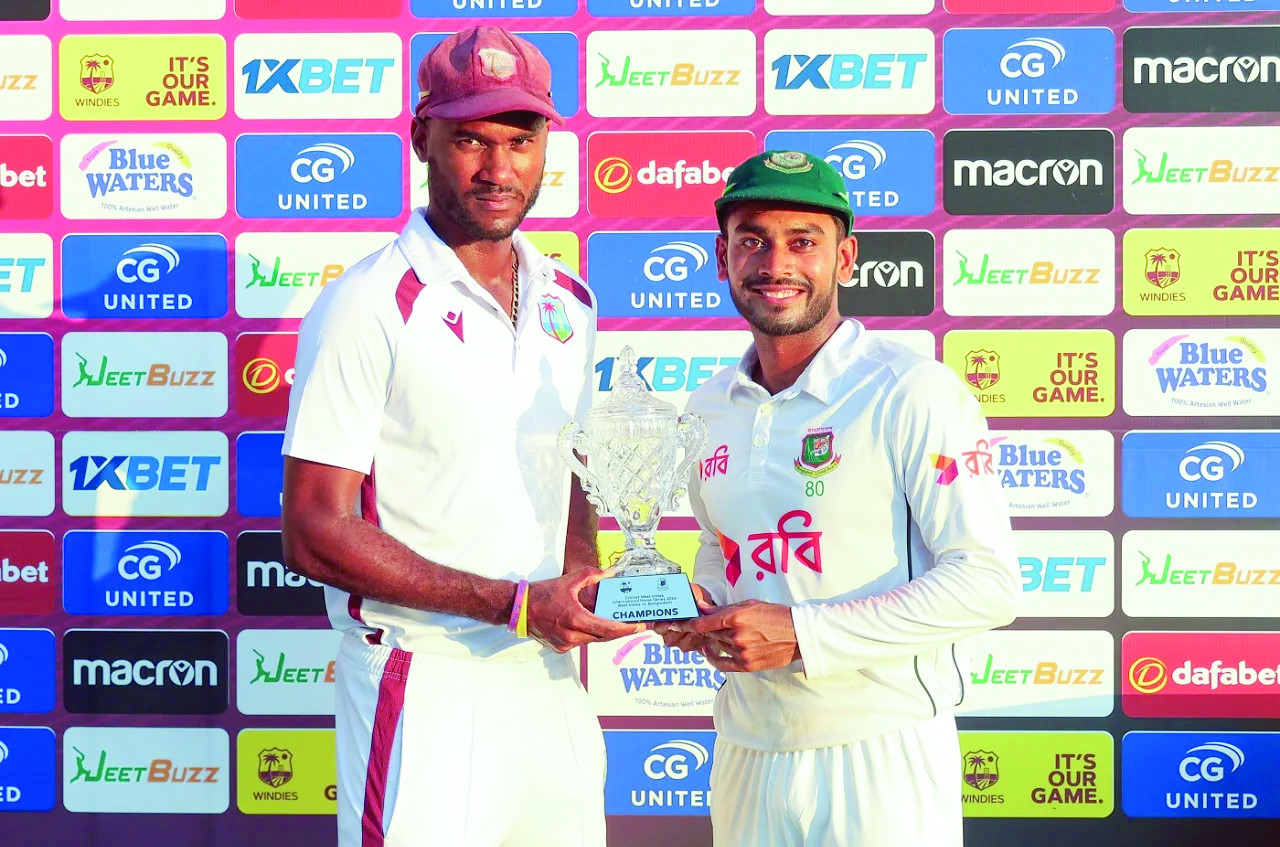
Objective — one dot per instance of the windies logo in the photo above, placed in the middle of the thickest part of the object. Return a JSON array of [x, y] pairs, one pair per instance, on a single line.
[[817, 453], [97, 72], [981, 769], [982, 368], [554, 319], [275, 766], [1163, 268]]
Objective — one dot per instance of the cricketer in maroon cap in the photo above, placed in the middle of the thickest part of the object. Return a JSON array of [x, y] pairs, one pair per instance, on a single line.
[[423, 487]]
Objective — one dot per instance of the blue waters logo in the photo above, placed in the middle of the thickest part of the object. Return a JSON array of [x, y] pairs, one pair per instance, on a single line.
[[560, 48], [659, 274], [1191, 6], [1029, 71], [145, 276], [26, 375], [145, 572], [887, 172], [663, 8], [319, 176], [259, 474], [26, 769], [1201, 774], [493, 9], [1199, 474], [658, 772], [27, 671]]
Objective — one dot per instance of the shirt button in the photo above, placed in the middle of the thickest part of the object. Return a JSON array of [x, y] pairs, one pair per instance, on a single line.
[[758, 441]]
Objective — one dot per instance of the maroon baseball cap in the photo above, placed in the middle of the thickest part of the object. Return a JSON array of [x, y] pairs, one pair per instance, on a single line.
[[484, 71]]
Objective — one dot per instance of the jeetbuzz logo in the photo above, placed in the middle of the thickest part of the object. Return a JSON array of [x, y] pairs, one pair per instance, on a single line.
[[1148, 675]]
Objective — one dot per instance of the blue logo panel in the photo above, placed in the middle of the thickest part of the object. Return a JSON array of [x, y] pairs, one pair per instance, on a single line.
[[626, 9], [145, 572], [259, 474], [144, 276], [658, 772], [887, 172], [560, 48], [506, 9], [1189, 6], [1029, 71], [26, 375], [27, 756], [1199, 474], [658, 274], [1201, 774], [320, 176], [27, 671]]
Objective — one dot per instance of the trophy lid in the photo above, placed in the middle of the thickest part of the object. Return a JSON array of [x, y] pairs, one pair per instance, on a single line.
[[630, 396]]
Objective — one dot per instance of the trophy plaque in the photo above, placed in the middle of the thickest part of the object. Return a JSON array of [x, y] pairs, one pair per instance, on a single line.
[[632, 442]]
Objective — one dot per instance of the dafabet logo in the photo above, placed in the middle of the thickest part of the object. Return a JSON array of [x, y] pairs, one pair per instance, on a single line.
[[263, 372], [1200, 675], [658, 174]]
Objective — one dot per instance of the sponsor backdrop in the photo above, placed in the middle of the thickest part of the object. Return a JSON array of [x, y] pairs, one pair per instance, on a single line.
[[1071, 203]]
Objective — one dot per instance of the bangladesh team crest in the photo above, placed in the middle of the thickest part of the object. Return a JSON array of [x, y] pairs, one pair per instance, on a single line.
[[817, 453], [981, 769], [554, 319], [982, 368], [97, 72], [1163, 267], [275, 766]]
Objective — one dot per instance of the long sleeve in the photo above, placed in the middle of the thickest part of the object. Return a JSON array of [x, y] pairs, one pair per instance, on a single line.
[[932, 421]]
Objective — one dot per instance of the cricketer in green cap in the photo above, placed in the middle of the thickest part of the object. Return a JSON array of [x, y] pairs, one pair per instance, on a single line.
[[784, 246]]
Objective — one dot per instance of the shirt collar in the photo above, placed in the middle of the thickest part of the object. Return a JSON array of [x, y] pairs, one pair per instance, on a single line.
[[435, 262], [822, 377]]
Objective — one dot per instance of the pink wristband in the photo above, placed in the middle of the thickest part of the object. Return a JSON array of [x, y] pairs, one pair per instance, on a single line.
[[521, 588]]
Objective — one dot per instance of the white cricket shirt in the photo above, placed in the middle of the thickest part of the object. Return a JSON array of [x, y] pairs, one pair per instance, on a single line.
[[865, 497], [408, 371]]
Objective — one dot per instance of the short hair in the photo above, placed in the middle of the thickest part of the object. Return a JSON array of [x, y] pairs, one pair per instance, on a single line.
[[722, 218]]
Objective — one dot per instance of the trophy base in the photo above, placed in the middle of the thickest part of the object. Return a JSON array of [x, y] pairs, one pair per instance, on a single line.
[[645, 598]]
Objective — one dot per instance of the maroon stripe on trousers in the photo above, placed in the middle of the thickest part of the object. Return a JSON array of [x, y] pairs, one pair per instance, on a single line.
[[390, 704]]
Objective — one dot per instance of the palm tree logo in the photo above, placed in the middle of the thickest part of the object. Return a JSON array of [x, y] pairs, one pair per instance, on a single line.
[[1164, 267], [275, 766], [554, 319], [982, 368], [981, 769], [97, 72]]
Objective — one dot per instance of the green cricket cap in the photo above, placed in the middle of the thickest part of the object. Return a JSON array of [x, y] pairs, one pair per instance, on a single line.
[[789, 177]]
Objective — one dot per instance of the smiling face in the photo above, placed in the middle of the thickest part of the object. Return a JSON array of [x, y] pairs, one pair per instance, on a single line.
[[484, 175], [783, 265]]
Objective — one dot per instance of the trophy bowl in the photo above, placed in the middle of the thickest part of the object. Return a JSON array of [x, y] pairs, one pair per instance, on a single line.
[[633, 442]]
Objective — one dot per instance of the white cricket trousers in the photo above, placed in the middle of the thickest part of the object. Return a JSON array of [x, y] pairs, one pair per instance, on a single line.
[[901, 789], [438, 752]]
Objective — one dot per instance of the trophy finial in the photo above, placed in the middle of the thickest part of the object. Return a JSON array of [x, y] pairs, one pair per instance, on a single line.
[[628, 386]]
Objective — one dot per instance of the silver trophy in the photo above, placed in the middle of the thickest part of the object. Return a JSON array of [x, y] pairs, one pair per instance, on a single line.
[[632, 442]]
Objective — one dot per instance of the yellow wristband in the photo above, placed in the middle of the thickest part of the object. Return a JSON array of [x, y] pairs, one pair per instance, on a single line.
[[522, 622]]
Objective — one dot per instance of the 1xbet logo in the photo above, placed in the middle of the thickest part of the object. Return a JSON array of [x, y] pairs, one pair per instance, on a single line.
[[849, 71], [352, 75], [144, 473]]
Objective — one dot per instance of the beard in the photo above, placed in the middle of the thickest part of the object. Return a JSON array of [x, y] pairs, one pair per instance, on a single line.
[[449, 201], [758, 314]]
